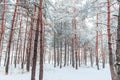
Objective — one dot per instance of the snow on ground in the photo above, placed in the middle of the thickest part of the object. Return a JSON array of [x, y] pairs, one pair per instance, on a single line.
[[66, 73]]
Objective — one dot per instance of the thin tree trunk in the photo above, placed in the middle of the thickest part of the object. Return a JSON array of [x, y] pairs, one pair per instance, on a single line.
[[58, 52], [65, 53], [61, 51], [30, 45], [24, 47], [41, 42], [54, 50], [10, 40], [72, 53], [79, 52], [73, 45], [102, 51], [76, 53], [97, 61], [68, 57], [85, 56], [91, 58], [18, 40]]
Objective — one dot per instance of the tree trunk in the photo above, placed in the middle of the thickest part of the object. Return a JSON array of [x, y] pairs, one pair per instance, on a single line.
[[10, 40], [30, 45], [54, 49], [36, 45], [118, 48], [58, 52], [65, 54], [79, 56], [24, 47], [97, 61], [91, 58], [18, 40], [61, 42], [85, 56], [109, 42], [102, 51], [41, 43], [72, 59], [68, 56]]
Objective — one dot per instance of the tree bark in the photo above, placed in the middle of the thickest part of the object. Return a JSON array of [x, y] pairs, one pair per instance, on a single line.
[[10, 40], [117, 65], [65, 53], [61, 48], [54, 49], [35, 50], [41, 43], [109, 42], [58, 52], [97, 61]]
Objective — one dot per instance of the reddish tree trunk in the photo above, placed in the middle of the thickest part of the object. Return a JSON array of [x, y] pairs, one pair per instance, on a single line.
[[41, 43]]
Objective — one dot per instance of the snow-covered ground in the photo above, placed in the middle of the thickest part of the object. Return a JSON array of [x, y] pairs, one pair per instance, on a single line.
[[66, 73]]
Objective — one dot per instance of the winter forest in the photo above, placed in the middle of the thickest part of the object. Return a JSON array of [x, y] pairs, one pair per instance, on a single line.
[[59, 39]]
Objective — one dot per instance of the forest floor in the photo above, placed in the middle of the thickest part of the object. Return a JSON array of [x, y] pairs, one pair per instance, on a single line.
[[51, 73]]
